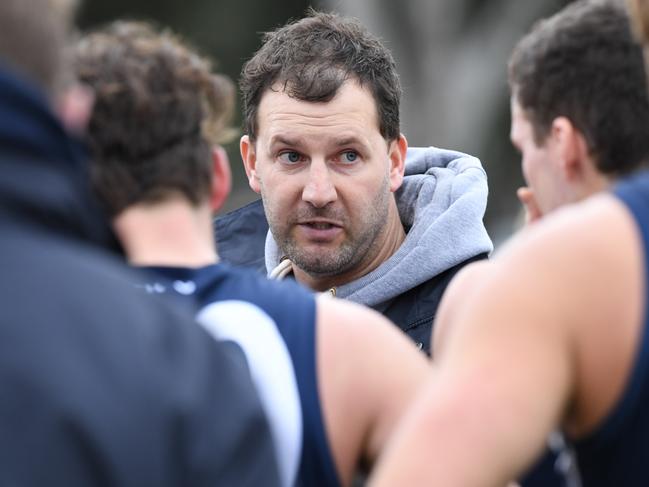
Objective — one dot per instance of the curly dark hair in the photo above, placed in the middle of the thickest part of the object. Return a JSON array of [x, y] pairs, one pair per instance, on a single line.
[[312, 57], [158, 108], [584, 64]]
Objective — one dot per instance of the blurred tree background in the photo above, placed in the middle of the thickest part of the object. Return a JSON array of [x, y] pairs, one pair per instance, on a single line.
[[451, 55]]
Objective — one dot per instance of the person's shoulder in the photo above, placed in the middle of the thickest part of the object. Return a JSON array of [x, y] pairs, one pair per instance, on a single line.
[[85, 302], [362, 355], [575, 234], [66, 264], [350, 326], [86, 289], [459, 291], [247, 283], [291, 306], [566, 268]]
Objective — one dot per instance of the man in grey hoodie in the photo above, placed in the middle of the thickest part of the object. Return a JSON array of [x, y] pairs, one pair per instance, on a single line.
[[347, 213]]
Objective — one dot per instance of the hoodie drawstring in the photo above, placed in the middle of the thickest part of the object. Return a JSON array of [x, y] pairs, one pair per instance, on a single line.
[[285, 267]]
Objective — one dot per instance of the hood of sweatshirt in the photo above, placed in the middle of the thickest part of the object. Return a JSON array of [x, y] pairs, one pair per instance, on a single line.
[[441, 205]]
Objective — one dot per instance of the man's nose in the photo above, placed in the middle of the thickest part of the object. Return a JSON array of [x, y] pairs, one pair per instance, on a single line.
[[319, 189]]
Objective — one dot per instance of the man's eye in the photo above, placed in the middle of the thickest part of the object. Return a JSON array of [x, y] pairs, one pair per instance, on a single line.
[[349, 156], [290, 157]]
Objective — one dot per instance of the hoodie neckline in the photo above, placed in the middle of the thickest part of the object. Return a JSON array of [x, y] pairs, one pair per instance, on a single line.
[[441, 204]]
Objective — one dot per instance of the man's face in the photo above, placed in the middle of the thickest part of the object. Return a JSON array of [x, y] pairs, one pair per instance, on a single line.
[[325, 175], [541, 168]]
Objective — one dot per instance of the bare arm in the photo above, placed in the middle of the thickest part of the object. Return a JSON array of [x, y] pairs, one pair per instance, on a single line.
[[458, 294], [515, 358], [478, 404], [369, 373]]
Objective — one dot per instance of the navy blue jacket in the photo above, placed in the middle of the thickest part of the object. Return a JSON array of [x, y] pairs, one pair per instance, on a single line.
[[101, 385]]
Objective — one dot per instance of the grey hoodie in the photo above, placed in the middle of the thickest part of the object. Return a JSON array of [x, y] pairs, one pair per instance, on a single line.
[[441, 204]]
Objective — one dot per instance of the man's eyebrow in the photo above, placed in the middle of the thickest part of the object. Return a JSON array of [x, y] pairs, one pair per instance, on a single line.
[[285, 140], [351, 140], [298, 141]]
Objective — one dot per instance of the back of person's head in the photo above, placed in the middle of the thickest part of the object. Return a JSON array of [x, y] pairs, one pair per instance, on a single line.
[[311, 58], [158, 110], [33, 34], [584, 64]]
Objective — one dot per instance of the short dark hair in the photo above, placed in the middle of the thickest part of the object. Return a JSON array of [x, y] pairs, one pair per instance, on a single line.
[[313, 57], [33, 35], [158, 107], [583, 63]]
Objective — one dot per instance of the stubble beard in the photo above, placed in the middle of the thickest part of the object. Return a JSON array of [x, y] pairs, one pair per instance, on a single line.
[[350, 254]]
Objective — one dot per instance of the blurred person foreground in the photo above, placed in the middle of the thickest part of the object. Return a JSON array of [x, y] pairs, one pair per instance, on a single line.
[[100, 384], [548, 301]]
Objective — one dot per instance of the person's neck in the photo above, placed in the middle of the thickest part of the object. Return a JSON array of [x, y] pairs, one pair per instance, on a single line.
[[169, 233], [383, 248], [594, 182]]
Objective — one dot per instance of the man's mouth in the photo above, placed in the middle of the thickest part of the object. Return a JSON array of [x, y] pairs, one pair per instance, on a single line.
[[321, 231], [320, 225]]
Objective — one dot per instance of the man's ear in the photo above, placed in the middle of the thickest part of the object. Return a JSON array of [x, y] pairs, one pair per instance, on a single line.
[[571, 149], [74, 108], [221, 178], [249, 157], [397, 154]]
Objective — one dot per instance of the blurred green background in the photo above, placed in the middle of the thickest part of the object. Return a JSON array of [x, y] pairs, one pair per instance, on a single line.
[[451, 55]]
